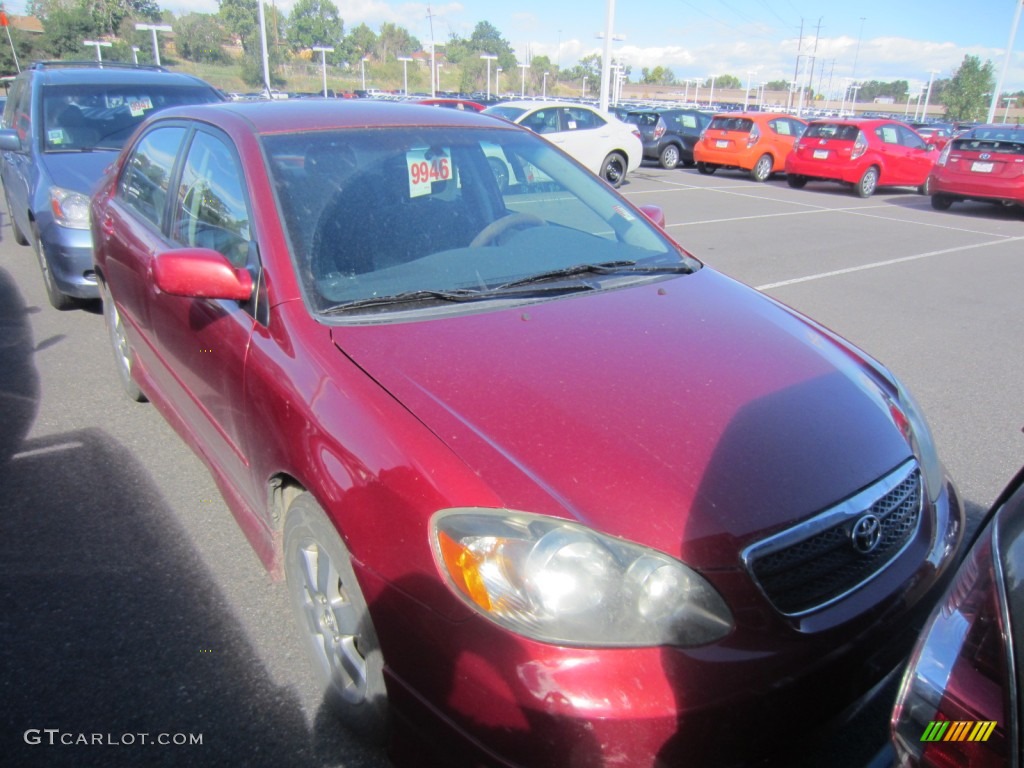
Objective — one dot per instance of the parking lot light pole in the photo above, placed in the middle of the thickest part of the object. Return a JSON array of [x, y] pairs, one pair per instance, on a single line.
[[99, 44], [1009, 100], [522, 88], [544, 87], [362, 69], [488, 57], [405, 73], [154, 28], [324, 50], [135, 54], [497, 81]]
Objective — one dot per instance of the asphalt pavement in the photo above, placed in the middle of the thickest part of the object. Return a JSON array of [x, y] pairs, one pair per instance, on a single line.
[[133, 608]]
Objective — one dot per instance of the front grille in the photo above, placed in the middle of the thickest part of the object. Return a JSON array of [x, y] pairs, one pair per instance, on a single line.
[[818, 562]]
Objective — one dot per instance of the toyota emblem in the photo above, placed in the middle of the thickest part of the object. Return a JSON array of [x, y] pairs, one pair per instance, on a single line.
[[985, 155], [866, 534]]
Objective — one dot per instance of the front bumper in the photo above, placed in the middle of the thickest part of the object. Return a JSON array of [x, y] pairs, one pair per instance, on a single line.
[[760, 696], [68, 253]]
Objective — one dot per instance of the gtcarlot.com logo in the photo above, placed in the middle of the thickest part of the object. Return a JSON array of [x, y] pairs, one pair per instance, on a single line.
[[57, 737], [958, 730]]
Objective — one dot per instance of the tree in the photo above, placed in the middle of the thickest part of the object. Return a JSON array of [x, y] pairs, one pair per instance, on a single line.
[[725, 82], [65, 31], [360, 42], [394, 41], [198, 37], [969, 90], [314, 22], [657, 76]]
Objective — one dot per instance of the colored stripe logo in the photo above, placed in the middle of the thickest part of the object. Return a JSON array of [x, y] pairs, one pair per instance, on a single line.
[[958, 730]]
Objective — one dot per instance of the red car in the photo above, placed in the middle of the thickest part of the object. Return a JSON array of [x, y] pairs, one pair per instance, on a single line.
[[986, 163], [541, 484], [866, 154]]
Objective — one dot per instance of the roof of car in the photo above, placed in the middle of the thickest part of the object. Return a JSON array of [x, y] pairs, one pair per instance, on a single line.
[[289, 115], [90, 73], [528, 104]]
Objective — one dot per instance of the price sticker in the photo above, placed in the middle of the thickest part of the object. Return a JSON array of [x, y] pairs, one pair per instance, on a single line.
[[139, 107], [425, 166]]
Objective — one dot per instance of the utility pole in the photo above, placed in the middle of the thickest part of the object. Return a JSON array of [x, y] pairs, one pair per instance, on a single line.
[[796, 69]]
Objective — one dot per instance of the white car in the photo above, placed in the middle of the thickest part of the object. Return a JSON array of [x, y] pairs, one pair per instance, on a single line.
[[603, 143]]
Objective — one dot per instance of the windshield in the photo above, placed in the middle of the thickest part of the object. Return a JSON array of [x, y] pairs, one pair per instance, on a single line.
[[102, 116], [390, 212]]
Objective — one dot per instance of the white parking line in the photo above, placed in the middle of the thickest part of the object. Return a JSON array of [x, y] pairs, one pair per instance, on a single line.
[[888, 263]]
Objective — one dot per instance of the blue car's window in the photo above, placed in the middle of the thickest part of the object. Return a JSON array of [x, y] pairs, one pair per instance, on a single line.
[[145, 183], [82, 117], [385, 211]]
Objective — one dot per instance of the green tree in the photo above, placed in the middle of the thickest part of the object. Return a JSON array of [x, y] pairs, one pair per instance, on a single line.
[[359, 42], [657, 76], [726, 82], [969, 90], [394, 41], [198, 36], [314, 22], [66, 29]]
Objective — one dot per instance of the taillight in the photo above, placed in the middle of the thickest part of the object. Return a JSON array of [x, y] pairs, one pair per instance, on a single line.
[[860, 146], [945, 154], [954, 704], [753, 136], [659, 131]]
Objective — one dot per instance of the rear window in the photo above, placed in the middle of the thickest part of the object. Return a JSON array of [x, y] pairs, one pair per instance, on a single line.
[[832, 131], [645, 119], [994, 141], [743, 124]]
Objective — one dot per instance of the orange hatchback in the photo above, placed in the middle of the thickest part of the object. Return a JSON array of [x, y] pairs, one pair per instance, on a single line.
[[755, 142]]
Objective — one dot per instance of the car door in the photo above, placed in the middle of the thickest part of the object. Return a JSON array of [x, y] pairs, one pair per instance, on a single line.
[[897, 167], [17, 166], [918, 157], [203, 343], [585, 135]]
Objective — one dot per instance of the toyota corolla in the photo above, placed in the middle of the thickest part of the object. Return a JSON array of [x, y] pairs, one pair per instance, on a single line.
[[541, 484]]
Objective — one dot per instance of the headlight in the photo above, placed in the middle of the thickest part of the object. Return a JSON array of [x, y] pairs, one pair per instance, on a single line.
[[70, 209], [560, 582], [915, 430]]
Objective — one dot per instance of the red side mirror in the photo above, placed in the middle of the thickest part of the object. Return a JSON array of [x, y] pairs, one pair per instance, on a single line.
[[200, 273], [654, 213]]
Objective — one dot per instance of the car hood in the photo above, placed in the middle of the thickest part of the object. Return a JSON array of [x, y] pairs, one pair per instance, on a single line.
[[78, 171], [693, 414]]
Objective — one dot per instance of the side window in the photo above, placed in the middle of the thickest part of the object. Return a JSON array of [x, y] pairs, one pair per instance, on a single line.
[[146, 178], [211, 209], [781, 126], [911, 139], [580, 119], [888, 133]]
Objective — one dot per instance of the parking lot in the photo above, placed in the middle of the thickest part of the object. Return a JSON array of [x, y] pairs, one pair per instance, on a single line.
[[133, 604]]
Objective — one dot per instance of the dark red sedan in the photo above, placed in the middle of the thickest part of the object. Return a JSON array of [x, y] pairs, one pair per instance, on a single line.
[[542, 485], [863, 153], [985, 164]]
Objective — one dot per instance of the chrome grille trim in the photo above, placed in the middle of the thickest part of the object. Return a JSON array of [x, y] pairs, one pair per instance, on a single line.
[[813, 564]]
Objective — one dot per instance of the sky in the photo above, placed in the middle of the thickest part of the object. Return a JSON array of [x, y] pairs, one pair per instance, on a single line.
[[756, 40]]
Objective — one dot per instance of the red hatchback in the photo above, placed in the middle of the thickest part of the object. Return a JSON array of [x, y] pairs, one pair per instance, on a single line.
[[541, 484], [985, 164], [866, 154]]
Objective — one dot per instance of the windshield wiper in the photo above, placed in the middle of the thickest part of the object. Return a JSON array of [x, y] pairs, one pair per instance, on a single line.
[[604, 268], [453, 295]]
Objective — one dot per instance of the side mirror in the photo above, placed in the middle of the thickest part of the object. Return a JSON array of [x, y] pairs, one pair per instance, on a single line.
[[200, 273], [9, 140], [655, 213]]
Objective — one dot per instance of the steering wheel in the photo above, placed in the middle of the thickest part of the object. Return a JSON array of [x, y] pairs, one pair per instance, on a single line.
[[490, 234]]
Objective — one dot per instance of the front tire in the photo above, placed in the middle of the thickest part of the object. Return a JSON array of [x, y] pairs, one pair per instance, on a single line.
[[124, 357], [613, 169], [868, 183], [669, 157], [335, 620], [58, 300]]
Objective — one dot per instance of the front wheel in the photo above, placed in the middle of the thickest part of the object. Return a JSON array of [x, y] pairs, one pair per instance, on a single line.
[[706, 168], [124, 357], [868, 183], [762, 168], [335, 620], [669, 157], [613, 169], [58, 299]]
